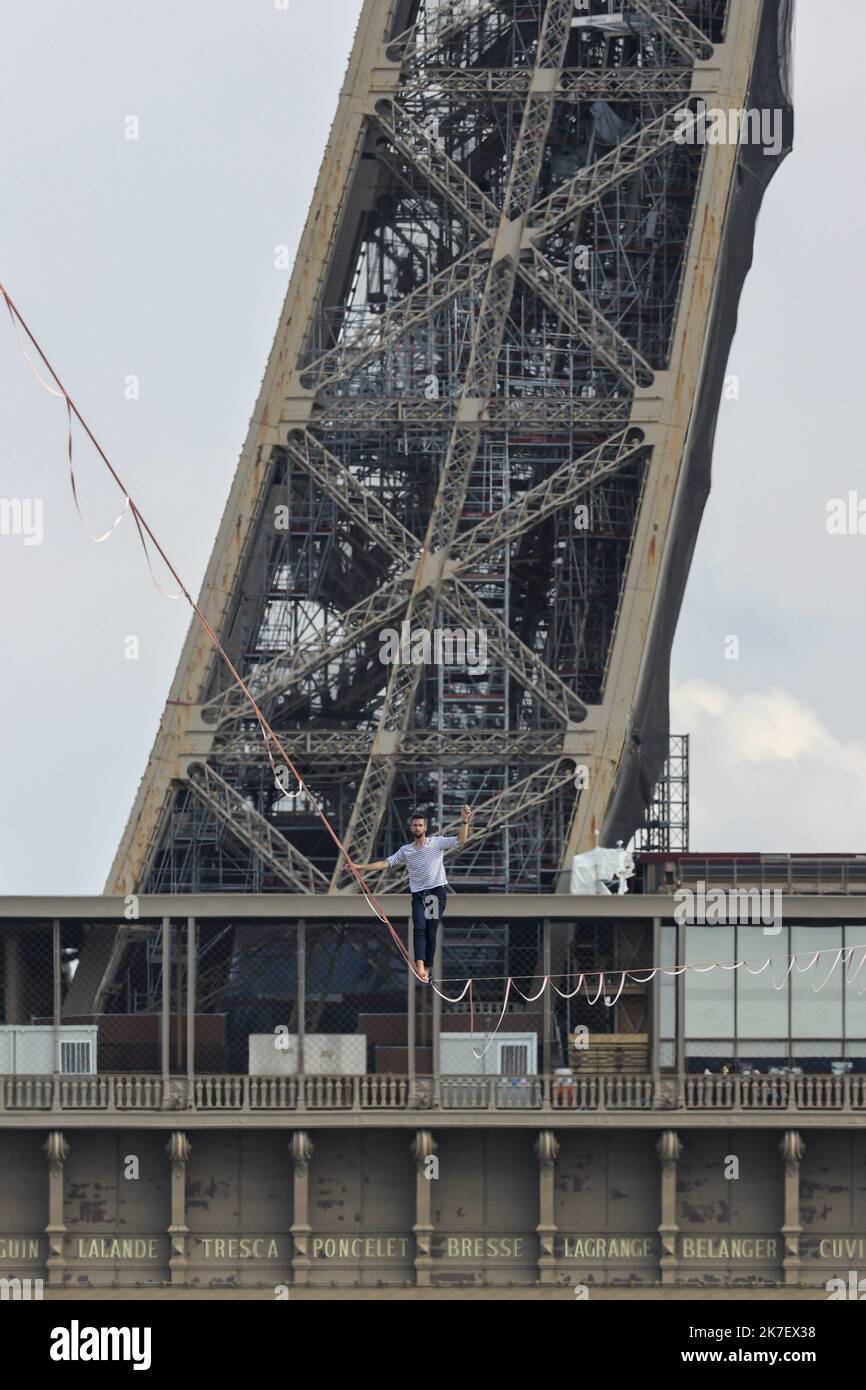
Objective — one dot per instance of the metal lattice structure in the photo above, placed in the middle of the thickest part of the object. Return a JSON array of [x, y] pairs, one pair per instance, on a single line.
[[498, 344], [667, 819]]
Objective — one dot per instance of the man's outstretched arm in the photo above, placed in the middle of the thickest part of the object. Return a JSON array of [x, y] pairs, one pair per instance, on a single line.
[[463, 834], [377, 864]]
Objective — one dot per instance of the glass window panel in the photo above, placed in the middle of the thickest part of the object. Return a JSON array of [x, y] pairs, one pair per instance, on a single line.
[[762, 1009], [709, 995], [855, 1002], [816, 1015], [667, 1054]]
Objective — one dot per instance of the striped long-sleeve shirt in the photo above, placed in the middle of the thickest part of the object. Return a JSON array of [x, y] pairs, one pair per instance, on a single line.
[[426, 869]]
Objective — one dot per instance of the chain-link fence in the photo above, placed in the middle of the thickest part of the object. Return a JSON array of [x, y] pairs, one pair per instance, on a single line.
[[192, 1002]]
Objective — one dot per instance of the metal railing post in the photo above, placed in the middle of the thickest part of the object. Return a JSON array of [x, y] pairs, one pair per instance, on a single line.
[[302, 1012], [681, 999], [410, 1025], [191, 943], [655, 1001], [437, 1018], [547, 1000], [165, 1029], [56, 980]]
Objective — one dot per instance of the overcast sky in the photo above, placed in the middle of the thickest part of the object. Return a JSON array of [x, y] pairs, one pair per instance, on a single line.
[[153, 258]]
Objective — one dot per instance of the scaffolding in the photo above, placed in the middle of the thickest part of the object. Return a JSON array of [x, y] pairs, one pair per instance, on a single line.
[[667, 819]]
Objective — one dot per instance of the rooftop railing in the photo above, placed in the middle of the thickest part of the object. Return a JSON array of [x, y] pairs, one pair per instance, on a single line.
[[221, 1094]]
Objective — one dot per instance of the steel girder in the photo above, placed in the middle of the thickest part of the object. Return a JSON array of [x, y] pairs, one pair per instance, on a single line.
[[314, 747], [574, 84], [528, 413]]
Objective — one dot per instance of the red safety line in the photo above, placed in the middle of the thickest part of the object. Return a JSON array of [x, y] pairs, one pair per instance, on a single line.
[[143, 529], [269, 735]]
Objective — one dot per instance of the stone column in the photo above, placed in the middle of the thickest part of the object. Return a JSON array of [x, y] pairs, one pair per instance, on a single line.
[[56, 1150], [301, 1149], [668, 1149], [792, 1149], [423, 1149], [546, 1150], [178, 1150]]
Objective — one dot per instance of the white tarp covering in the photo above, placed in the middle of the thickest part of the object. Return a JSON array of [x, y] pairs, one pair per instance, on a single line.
[[591, 872], [610, 129], [616, 25]]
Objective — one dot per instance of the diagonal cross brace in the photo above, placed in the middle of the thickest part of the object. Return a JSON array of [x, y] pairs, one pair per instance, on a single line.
[[549, 496], [416, 145], [678, 29], [286, 670], [454, 17], [590, 183], [576, 310], [281, 674], [254, 830], [419, 147], [387, 329], [351, 495], [553, 493], [528, 667]]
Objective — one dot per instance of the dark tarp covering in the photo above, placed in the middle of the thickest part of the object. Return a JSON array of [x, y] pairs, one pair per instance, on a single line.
[[646, 744]]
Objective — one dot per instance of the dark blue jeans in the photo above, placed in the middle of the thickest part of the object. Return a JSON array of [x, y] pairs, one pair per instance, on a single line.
[[428, 909]]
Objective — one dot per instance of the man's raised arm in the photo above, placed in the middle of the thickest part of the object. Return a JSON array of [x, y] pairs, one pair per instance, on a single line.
[[463, 834]]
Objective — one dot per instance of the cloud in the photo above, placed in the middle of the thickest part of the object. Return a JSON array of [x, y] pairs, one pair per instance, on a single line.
[[766, 773]]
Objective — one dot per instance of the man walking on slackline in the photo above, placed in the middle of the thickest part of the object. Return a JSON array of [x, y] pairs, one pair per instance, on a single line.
[[427, 882]]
